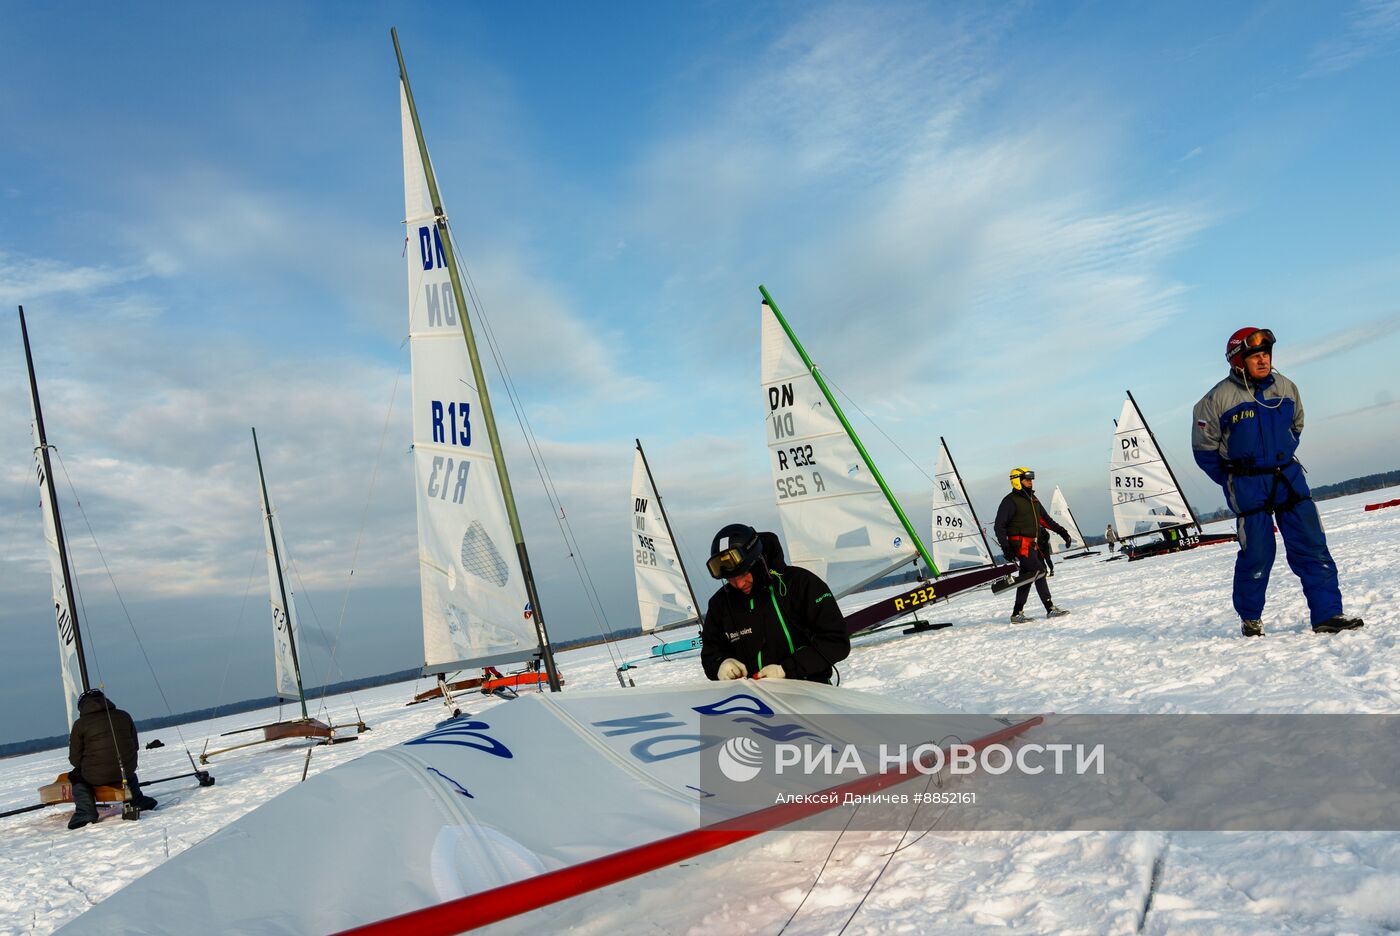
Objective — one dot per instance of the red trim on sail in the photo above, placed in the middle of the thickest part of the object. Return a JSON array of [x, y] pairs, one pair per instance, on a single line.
[[500, 903]]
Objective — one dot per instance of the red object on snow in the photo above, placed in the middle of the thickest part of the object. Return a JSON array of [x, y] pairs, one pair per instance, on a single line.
[[1389, 503]]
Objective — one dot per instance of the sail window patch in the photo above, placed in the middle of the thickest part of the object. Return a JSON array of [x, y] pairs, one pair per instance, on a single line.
[[481, 558]]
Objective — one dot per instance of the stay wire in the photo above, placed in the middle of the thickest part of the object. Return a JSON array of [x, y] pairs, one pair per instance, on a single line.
[[237, 628], [546, 479], [122, 602], [869, 419], [359, 536]]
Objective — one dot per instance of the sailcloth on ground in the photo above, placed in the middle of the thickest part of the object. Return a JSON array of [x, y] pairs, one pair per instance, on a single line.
[[957, 541], [480, 803], [1140, 485], [1059, 511], [69, 664], [475, 609], [663, 596], [837, 522]]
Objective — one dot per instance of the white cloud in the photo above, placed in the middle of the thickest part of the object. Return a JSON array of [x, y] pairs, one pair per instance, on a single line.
[[1372, 26]]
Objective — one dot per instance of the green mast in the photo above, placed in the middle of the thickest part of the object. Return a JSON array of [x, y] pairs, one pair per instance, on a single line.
[[459, 296], [865, 456]]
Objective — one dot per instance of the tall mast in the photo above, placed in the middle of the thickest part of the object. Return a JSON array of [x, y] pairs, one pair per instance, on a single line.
[[1162, 453], [983, 533], [281, 584], [865, 456], [459, 297], [660, 505], [46, 479]]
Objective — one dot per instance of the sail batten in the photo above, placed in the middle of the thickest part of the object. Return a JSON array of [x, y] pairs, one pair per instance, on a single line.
[[839, 519], [287, 667], [1059, 510], [957, 540], [1145, 496], [71, 661], [477, 602], [664, 595]]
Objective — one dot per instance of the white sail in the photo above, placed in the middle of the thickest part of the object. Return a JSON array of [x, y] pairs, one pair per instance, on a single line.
[[1059, 511], [663, 596], [956, 541], [836, 520], [475, 609], [284, 619], [552, 781], [68, 662], [1145, 498]]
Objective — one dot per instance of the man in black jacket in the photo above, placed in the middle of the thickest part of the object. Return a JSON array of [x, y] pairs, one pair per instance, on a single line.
[[102, 749], [1021, 519], [769, 620]]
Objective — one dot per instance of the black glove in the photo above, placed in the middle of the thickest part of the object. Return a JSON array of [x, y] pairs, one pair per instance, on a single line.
[[1065, 537], [1010, 554]]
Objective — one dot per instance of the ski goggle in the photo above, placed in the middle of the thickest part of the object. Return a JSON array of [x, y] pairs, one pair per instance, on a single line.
[[727, 563], [1261, 340], [1023, 475]]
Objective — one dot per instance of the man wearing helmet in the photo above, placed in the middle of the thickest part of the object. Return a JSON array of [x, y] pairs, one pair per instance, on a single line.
[[1245, 435], [1021, 519], [769, 620]]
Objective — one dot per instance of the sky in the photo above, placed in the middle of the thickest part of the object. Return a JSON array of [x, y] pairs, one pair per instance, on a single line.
[[984, 221]]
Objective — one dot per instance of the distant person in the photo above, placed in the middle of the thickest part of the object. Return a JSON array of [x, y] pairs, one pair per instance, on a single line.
[[1245, 435], [1110, 537], [102, 749], [1020, 520], [769, 620]]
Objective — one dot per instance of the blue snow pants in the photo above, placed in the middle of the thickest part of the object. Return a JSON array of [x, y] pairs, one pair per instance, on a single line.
[[1303, 541]]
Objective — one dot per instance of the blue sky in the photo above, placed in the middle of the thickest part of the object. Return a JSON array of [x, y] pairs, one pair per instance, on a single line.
[[985, 222]]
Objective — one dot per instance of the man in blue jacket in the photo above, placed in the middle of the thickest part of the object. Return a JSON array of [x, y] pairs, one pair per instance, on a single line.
[[1245, 434]]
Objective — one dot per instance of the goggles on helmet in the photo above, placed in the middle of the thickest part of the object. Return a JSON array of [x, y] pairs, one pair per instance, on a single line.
[[1261, 340], [742, 548], [727, 564]]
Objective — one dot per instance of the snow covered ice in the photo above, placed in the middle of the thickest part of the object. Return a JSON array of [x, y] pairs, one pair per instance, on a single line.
[[1156, 636]]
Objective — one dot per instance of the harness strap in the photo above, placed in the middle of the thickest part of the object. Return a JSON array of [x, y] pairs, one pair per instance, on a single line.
[[1269, 507]]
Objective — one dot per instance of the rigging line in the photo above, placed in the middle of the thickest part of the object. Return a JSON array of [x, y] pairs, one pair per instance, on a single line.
[[820, 871], [306, 595], [872, 422], [237, 627], [364, 516], [890, 857], [546, 478], [121, 601]]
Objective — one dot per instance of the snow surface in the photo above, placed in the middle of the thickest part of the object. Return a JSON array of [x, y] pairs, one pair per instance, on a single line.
[[1156, 636]]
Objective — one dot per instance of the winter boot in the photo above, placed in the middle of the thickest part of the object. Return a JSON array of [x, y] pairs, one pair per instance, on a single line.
[[1019, 618], [139, 799], [1338, 623], [85, 803], [1251, 627], [1052, 612]]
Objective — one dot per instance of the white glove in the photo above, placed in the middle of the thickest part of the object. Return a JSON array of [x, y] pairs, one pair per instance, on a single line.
[[771, 671], [732, 669]]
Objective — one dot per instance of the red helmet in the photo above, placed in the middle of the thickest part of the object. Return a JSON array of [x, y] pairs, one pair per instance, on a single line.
[[1245, 342]]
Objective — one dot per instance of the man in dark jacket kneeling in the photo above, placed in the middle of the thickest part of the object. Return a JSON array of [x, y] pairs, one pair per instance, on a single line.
[[102, 749], [769, 620]]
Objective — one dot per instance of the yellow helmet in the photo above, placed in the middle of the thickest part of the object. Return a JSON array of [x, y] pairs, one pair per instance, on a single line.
[[1017, 474]]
